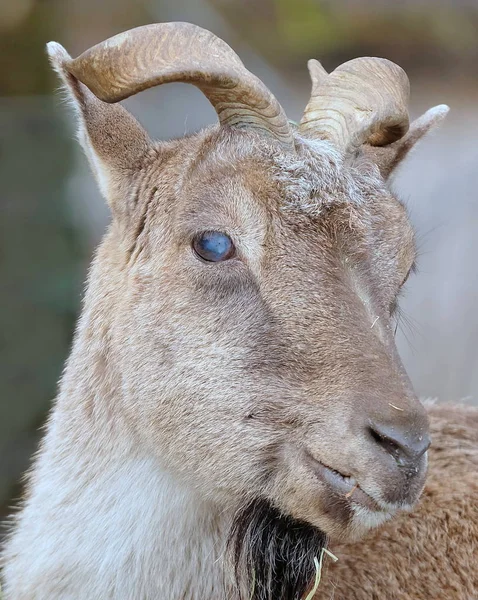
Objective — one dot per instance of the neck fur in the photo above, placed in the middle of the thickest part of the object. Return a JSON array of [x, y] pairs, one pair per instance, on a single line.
[[102, 517], [113, 524]]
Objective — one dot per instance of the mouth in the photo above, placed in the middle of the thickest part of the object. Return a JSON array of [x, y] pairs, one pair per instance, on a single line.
[[344, 486]]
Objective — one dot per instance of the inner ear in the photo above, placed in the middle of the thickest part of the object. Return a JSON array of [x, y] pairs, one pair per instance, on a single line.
[[113, 140]]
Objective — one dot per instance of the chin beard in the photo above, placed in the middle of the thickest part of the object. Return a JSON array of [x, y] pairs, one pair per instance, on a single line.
[[272, 554]]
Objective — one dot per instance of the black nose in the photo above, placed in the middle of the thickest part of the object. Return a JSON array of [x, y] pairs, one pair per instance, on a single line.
[[404, 445]]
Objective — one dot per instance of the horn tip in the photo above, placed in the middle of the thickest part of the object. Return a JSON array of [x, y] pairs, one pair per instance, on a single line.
[[317, 73], [316, 67]]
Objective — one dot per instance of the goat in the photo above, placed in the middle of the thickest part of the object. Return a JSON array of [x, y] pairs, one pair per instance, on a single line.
[[233, 397]]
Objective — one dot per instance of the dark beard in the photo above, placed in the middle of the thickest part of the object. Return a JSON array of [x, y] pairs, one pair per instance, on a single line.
[[272, 554]]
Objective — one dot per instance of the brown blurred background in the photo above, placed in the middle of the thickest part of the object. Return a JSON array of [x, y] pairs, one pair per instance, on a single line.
[[52, 215]]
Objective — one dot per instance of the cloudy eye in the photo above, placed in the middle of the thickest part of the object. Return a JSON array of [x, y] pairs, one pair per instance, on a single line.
[[213, 246]]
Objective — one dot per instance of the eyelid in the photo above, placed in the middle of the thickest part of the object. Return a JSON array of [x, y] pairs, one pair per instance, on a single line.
[[411, 271], [414, 267]]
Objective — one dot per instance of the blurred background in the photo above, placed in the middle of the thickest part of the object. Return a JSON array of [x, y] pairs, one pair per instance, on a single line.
[[51, 215]]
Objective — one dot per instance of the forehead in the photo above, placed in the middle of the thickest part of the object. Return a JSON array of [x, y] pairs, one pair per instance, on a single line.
[[243, 172], [302, 212]]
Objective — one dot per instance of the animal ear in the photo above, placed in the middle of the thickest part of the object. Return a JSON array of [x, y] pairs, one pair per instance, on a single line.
[[112, 139], [387, 158]]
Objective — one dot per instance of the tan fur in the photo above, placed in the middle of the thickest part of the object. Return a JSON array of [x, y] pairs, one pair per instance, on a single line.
[[193, 388], [430, 553]]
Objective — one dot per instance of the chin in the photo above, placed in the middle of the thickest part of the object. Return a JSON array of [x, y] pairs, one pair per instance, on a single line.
[[345, 519], [364, 520], [344, 508]]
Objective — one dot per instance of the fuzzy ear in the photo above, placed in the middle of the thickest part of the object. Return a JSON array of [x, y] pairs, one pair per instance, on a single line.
[[111, 137], [387, 158]]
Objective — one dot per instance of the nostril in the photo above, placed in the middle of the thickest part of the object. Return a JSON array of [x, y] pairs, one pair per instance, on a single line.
[[402, 445], [389, 445]]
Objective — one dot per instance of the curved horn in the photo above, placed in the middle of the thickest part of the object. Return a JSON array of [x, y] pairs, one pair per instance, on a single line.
[[387, 158], [363, 101], [165, 52]]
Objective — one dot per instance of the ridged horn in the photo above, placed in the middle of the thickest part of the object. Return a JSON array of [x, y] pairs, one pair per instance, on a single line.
[[181, 52], [364, 100]]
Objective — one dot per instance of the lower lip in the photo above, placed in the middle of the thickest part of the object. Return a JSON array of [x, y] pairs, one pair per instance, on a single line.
[[343, 488]]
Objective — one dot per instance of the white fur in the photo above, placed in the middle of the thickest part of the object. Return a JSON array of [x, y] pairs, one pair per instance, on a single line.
[[126, 531]]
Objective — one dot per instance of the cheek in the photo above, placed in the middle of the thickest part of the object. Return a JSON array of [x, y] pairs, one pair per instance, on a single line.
[[187, 383]]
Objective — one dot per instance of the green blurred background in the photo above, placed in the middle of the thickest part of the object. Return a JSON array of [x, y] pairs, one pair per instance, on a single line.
[[52, 215]]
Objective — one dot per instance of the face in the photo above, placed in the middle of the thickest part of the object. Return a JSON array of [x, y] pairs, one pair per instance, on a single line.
[[256, 300]]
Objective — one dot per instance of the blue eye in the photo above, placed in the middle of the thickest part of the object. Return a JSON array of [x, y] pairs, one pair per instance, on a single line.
[[213, 246]]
